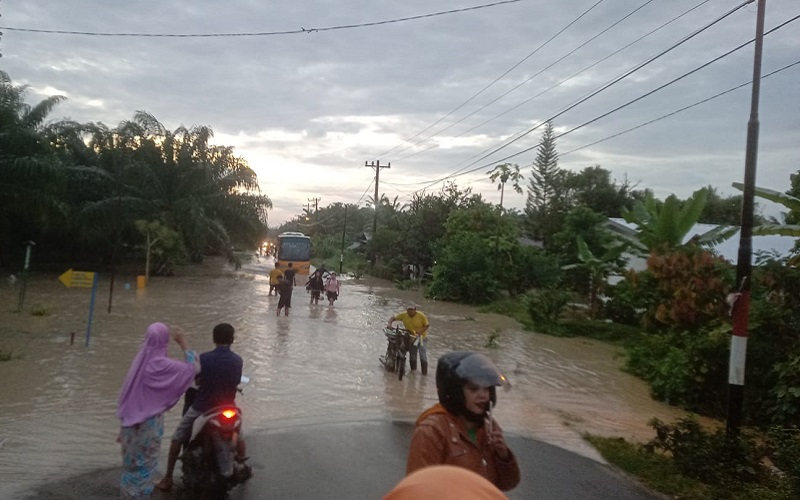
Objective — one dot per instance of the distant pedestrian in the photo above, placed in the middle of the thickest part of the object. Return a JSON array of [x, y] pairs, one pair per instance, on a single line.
[[416, 323], [332, 288], [274, 276], [154, 383], [285, 288], [315, 285]]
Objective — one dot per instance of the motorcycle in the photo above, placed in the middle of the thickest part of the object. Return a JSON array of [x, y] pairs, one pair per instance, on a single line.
[[209, 460], [398, 342]]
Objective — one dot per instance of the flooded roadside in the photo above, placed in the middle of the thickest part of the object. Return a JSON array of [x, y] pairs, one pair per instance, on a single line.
[[319, 365]]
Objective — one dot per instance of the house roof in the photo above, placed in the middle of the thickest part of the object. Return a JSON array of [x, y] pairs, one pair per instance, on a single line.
[[728, 249]]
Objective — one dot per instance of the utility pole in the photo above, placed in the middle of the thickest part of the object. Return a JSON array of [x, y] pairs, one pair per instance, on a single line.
[[316, 205], [344, 228], [377, 166], [741, 300]]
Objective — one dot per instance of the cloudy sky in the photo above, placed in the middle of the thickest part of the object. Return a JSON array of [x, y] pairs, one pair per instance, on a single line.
[[307, 91]]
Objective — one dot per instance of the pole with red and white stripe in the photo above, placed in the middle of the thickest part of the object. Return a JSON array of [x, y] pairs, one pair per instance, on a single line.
[[741, 300]]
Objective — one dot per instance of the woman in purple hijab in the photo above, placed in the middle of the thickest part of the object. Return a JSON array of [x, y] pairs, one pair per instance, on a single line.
[[153, 385]]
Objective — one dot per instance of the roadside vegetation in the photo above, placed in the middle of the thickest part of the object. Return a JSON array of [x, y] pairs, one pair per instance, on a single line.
[[140, 194]]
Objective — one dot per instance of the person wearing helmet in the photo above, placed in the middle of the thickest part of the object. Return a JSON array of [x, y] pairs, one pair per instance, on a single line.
[[460, 429]]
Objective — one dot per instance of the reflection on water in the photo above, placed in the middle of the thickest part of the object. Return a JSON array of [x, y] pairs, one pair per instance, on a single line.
[[320, 364]]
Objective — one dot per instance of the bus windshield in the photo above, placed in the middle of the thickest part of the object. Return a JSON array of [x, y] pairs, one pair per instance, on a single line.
[[294, 248]]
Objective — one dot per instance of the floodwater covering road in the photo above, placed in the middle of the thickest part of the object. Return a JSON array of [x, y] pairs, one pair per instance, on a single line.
[[317, 366]]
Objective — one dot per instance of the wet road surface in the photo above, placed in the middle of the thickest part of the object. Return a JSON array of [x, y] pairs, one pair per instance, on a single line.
[[314, 369]]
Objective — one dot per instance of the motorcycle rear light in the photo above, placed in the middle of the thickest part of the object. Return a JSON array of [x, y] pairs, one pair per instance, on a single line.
[[229, 414]]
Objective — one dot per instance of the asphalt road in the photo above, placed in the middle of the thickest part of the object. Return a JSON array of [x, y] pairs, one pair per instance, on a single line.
[[364, 460]]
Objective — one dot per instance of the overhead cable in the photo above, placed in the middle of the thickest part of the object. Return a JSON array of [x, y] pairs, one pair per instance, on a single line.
[[484, 106], [537, 49], [258, 33], [662, 117]]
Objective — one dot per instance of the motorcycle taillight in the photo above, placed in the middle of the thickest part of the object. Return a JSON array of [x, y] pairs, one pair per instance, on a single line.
[[228, 414]]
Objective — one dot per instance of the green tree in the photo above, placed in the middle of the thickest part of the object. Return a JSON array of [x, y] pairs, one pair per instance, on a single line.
[[665, 225], [31, 179], [544, 206], [506, 172]]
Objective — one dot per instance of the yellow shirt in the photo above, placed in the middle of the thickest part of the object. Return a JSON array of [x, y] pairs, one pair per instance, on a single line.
[[414, 324], [274, 276]]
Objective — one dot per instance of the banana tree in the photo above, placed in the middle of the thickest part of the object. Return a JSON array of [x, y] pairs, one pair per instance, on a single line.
[[599, 268], [665, 225], [787, 200]]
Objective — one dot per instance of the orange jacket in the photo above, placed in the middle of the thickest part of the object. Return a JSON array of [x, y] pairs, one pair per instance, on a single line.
[[441, 438]]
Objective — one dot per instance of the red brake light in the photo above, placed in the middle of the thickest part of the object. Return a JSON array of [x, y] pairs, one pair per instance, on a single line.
[[229, 414]]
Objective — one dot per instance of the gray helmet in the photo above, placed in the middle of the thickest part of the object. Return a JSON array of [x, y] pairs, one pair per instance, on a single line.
[[457, 367]]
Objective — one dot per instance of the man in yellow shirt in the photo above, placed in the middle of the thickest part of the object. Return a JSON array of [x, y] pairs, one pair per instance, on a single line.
[[417, 324], [274, 276]]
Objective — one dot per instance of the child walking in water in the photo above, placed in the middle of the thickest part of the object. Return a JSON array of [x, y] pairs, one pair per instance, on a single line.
[[332, 288]]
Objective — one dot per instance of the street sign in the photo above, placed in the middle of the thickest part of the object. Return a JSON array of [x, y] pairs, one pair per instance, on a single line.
[[77, 279], [82, 279]]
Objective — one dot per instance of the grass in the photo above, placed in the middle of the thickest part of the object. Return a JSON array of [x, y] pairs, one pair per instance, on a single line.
[[659, 473], [5, 355]]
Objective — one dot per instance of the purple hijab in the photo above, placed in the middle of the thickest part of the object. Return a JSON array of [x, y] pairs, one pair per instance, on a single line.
[[155, 382]]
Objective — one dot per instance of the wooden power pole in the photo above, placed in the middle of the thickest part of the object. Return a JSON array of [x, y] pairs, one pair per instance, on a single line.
[[377, 166]]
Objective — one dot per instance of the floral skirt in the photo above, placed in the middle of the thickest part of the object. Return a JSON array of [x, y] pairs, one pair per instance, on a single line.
[[141, 444]]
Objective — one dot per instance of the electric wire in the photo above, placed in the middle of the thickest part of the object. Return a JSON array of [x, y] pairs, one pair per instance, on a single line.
[[537, 49], [584, 99], [695, 70], [562, 82], [504, 94], [673, 113], [259, 33]]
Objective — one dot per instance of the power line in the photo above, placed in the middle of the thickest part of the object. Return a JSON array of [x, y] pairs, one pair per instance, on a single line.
[[582, 100], [484, 106], [537, 49], [586, 68], [526, 101], [662, 117], [259, 33], [726, 54]]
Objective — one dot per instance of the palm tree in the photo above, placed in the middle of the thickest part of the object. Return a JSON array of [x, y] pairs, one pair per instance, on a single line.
[[31, 178]]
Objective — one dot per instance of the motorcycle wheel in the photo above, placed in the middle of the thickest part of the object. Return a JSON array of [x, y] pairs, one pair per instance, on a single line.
[[401, 366]]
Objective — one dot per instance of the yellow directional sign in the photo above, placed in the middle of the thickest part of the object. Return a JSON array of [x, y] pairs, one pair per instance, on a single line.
[[77, 279]]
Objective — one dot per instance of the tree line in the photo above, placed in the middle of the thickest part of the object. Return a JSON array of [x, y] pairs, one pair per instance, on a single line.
[[89, 193]]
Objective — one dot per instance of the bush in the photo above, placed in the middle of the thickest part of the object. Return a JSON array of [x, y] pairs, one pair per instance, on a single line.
[[685, 369], [715, 459], [546, 305], [464, 271]]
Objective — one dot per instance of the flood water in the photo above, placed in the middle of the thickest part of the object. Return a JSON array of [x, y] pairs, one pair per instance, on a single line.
[[318, 365]]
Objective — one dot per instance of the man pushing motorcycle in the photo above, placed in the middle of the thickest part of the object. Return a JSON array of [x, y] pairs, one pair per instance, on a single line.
[[416, 323], [220, 374]]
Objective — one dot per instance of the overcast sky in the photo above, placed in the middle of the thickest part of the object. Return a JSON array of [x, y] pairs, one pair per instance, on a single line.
[[308, 109]]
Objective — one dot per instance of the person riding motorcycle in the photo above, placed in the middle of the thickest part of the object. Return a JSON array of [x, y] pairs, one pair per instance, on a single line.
[[220, 374], [460, 429]]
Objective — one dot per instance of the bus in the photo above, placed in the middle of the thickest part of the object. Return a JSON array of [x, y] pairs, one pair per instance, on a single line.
[[295, 248]]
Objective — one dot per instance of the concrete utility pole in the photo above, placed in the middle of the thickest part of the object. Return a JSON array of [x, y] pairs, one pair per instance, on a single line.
[[741, 300], [377, 166], [316, 205]]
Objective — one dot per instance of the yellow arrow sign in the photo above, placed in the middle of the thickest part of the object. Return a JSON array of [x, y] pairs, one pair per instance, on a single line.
[[77, 279]]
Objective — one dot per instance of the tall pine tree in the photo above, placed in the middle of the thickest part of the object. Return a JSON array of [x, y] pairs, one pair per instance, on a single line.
[[544, 207]]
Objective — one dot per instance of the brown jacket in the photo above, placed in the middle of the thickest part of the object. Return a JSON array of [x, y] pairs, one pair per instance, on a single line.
[[441, 438]]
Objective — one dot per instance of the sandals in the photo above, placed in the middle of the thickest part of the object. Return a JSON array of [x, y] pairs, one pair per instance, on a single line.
[[165, 484]]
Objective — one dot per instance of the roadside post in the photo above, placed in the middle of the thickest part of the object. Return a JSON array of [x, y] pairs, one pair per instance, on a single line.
[[82, 279], [24, 285]]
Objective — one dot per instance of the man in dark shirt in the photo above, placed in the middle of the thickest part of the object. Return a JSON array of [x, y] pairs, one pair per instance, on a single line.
[[220, 374], [285, 287]]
